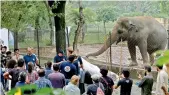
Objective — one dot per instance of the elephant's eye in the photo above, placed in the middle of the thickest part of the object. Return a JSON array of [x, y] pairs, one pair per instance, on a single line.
[[120, 32]]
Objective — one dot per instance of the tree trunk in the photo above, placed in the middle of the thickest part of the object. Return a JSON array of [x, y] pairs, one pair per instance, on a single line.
[[50, 23], [104, 23], [59, 20], [16, 32], [15, 39], [79, 28], [37, 35]]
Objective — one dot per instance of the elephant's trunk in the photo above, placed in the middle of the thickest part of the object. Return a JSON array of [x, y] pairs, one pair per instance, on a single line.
[[106, 45]]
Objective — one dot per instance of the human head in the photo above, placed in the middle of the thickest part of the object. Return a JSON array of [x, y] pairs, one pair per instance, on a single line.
[[8, 53], [95, 78], [159, 67], [41, 73], [71, 58], [30, 67], [147, 68], [11, 63], [49, 64], [126, 73], [29, 50], [70, 50], [21, 62], [60, 53], [4, 48], [16, 51], [22, 76], [74, 79], [56, 67], [104, 71]]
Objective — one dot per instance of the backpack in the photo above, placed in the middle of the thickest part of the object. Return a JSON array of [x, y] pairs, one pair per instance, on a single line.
[[99, 91], [107, 88]]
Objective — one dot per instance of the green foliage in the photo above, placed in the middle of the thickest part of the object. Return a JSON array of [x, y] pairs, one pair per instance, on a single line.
[[163, 59], [107, 13], [28, 10], [72, 15], [29, 87]]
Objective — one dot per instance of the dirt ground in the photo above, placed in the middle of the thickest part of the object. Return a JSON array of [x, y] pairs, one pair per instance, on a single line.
[[116, 53]]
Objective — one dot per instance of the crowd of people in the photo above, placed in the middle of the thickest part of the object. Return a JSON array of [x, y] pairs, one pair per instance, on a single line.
[[67, 73]]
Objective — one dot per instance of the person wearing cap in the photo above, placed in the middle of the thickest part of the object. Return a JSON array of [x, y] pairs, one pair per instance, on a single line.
[[146, 83], [59, 58], [162, 81], [92, 88], [125, 83]]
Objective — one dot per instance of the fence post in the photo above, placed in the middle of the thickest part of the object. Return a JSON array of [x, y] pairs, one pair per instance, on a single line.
[[110, 52], [168, 38], [98, 35]]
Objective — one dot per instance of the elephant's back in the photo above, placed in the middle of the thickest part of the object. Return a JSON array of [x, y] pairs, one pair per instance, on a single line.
[[157, 34]]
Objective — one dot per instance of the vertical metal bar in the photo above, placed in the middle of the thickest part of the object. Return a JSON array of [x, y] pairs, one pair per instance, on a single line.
[[110, 52]]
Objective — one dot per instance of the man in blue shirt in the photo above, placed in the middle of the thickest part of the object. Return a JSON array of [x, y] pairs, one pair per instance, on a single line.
[[30, 57], [68, 68], [60, 57]]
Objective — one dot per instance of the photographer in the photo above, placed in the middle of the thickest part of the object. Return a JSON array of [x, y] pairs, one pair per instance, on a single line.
[[3, 56]]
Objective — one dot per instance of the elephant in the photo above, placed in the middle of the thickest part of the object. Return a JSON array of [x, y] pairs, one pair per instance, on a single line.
[[142, 31]]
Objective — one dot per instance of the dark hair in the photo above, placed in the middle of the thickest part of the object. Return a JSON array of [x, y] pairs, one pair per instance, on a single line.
[[16, 50], [49, 64], [71, 58], [4, 47], [41, 73], [126, 73], [60, 51], [30, 67], [8, 52], [11, 63], [103, 71], [22, 76], [70, 51], [56, 67], [21, 62], [160, 67], [148, 68]]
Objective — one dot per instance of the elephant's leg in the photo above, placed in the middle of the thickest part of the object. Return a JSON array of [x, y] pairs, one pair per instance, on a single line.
[[143, 50], [132, 51], [151, 57]]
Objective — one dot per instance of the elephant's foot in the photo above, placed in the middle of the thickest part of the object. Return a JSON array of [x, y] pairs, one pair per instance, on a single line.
[[133, 64]]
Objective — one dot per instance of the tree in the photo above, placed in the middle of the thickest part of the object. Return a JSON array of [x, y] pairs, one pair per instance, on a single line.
[[17, 15], [106, 14], [50, 22], [58, 9], [79, 27], [12, 17], [72, 16]]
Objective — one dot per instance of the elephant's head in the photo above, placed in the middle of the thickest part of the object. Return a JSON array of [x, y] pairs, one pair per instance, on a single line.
[[124, 29]]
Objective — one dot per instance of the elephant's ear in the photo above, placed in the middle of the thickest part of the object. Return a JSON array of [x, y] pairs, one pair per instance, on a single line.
[[132, 27]]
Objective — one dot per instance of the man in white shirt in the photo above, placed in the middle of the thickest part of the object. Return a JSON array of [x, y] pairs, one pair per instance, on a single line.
[[162, 81], [17, 55]]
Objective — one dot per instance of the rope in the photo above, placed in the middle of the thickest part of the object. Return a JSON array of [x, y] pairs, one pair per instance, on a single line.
[[120, 58]]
